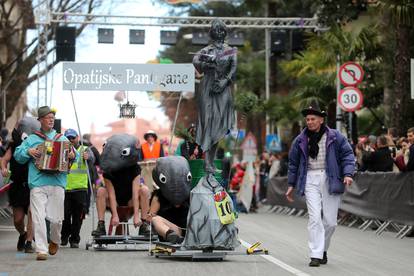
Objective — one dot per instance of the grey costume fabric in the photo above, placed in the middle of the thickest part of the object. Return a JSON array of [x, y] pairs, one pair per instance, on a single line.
[[204, 229], [119, 151], [215, 105], [27, 126], [172, 174]]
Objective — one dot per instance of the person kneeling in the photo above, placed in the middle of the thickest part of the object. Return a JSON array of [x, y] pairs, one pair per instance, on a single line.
[[168, 220]]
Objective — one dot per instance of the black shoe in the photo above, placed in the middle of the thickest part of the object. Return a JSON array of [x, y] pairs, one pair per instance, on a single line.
[[315, 262], [28, 248], [144, 229], [172, 237], [325, 258], [100, 229], [74, 245], [64, 241], [410, 234], [21, 241]]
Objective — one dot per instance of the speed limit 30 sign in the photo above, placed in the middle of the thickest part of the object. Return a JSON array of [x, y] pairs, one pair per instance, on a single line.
[[351, 74], [350, 99]]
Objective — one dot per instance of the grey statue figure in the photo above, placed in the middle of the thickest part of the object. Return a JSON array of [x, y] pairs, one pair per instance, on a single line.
[[218, 63]]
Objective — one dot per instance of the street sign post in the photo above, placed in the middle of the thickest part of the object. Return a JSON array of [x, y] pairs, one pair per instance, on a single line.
[[350, 99], [351, 74]]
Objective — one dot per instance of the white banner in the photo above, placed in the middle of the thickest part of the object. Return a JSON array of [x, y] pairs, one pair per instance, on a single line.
[[128, 77]]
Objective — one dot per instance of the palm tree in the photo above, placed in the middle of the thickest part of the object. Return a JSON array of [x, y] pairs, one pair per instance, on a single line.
[[400, 13], [315, 68]]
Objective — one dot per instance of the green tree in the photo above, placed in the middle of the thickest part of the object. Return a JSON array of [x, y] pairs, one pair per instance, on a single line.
[[399, 17], [17, 66], [315, 68]]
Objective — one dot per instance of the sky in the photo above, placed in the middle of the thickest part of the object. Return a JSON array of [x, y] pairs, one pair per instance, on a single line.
[[99, 107]]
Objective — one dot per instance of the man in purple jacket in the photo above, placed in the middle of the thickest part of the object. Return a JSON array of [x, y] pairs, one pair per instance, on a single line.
[[321, 163]]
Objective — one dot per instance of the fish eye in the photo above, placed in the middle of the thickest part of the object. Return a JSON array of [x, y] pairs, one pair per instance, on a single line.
[[189, 176], [126, 151], [163, 178]]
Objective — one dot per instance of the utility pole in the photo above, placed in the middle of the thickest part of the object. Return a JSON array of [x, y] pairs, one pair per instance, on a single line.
[[267, 74]]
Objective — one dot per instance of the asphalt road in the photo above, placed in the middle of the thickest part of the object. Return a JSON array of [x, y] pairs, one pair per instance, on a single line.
[[352, 252]]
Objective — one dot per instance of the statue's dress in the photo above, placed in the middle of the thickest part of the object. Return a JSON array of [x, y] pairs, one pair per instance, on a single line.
[[216, 112]]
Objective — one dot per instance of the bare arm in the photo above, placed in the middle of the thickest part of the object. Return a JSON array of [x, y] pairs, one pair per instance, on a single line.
[[4, 161], [155, 206]]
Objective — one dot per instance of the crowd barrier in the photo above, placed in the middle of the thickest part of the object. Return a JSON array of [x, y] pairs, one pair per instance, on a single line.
[[375, 201], [5, 211]]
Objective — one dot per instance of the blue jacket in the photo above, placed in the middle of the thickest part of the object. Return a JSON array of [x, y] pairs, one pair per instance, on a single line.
[[36, 177], [340, 161]]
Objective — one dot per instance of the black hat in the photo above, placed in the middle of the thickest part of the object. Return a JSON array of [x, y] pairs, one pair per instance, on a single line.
[[313, 109]]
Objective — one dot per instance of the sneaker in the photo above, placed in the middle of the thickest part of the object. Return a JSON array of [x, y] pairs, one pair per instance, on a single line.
[[100, 229], [21, 241], [53, 248], [145, 228], [64, 241], [325, 258], [74, 245], [28, 248], [41, 257], [315, 262]]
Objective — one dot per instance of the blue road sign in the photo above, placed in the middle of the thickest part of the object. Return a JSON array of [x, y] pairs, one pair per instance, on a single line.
[[273, 143]]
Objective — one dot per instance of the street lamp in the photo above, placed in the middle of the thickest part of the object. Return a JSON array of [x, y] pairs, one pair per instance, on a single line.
[[127, 110]]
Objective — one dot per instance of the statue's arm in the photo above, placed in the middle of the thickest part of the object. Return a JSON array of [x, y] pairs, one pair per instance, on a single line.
[[233, 66], [203, 61]]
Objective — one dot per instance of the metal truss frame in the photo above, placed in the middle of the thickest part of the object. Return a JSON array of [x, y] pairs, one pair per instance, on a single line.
[[177, 21], [44, 17]]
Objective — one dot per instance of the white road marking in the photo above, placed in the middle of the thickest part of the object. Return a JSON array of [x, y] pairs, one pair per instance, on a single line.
[[278, 262]]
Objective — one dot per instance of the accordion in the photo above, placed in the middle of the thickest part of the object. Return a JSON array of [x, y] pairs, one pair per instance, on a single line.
[[54, 156]]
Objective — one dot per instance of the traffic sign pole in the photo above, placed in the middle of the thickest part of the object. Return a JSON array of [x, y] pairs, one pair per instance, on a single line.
[[338, 90]]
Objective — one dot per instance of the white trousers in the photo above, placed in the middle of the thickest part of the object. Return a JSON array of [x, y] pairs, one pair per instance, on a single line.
[[47, 202], [323, 212]]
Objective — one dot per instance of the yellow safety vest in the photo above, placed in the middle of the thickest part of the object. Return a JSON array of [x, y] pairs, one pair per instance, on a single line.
[[78, 175]]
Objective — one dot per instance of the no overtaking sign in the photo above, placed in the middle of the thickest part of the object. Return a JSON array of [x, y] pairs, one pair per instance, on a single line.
[[351, 74]]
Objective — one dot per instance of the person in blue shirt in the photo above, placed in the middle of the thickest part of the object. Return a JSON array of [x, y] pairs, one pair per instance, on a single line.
[[47, 190]]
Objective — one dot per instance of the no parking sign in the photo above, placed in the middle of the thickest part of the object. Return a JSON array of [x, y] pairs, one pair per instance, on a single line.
[[350, 99]]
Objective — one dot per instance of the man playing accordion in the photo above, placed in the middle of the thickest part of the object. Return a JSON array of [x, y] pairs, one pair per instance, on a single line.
[[47, 187]]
